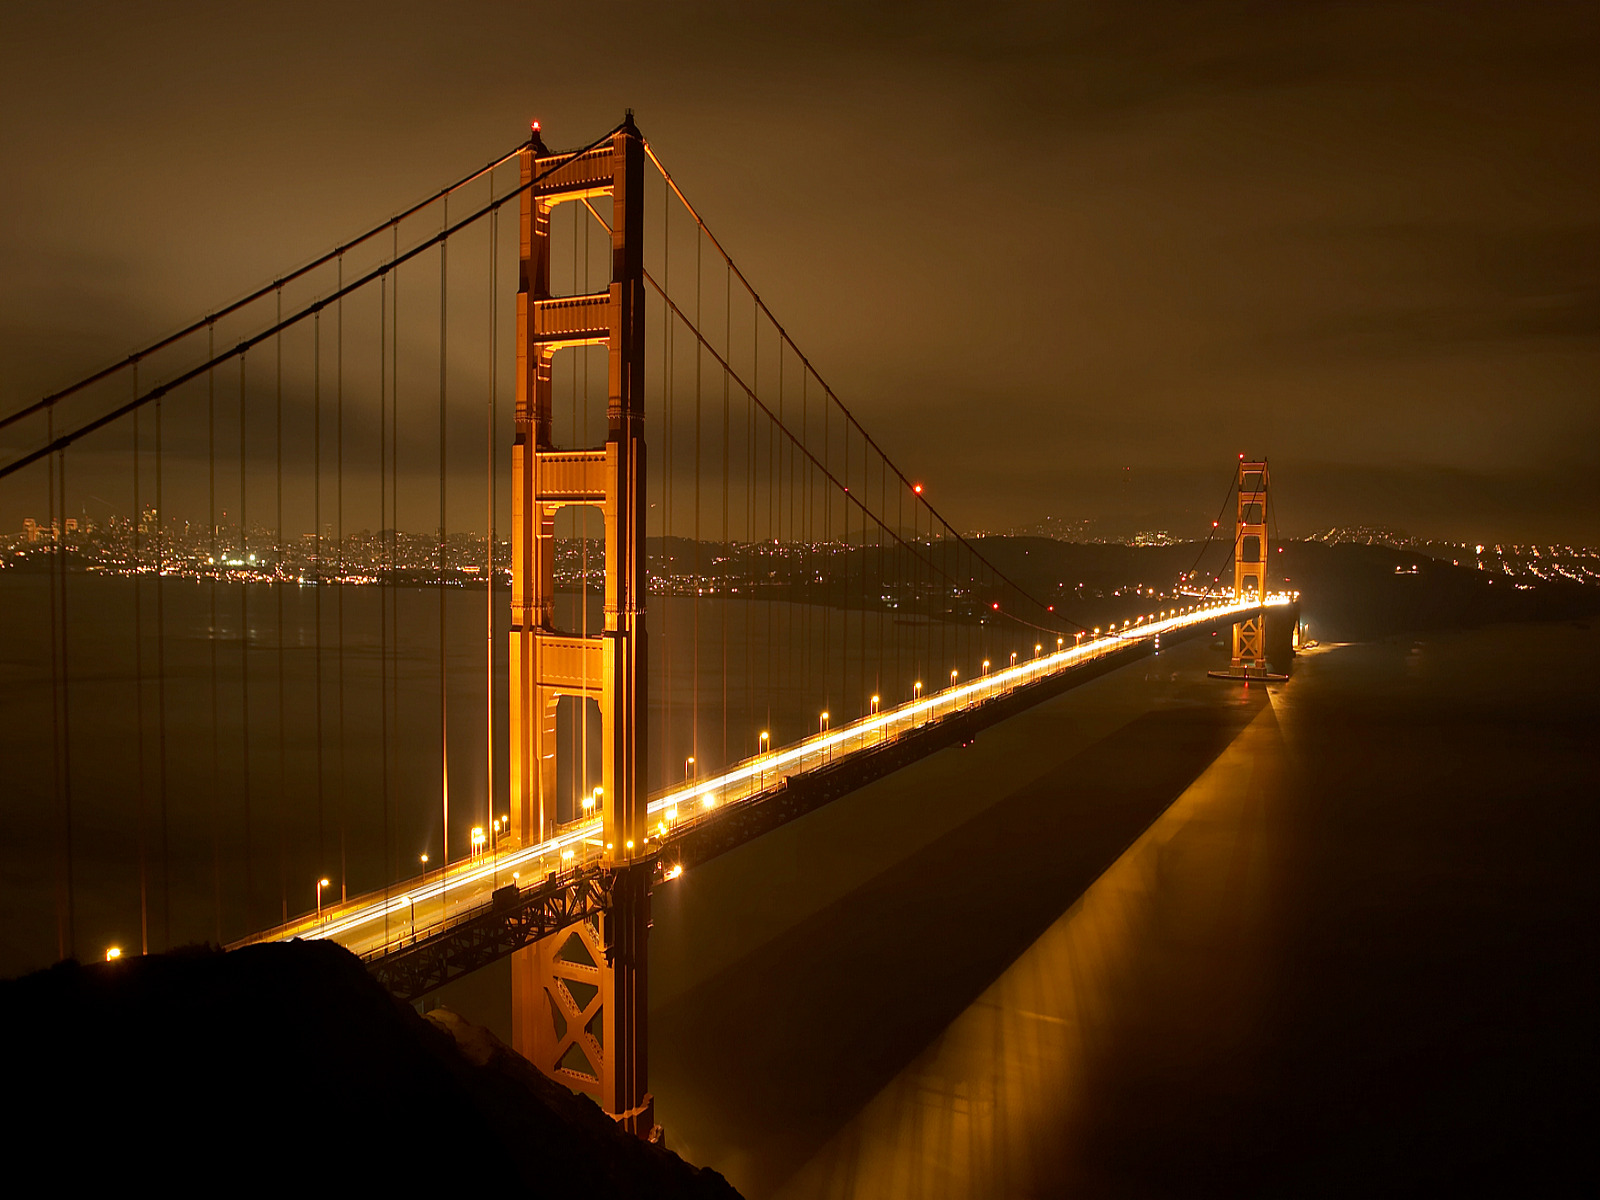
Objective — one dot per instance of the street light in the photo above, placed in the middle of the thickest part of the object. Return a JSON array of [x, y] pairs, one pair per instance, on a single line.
[[822, 728], [1013, 658], [986, 666], [762, 743], [113, 953], [321, 883], [688, 769], [1037, 646], [412, 902]]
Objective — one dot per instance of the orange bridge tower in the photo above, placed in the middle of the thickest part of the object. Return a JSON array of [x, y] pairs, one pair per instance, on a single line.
[[579, 999]]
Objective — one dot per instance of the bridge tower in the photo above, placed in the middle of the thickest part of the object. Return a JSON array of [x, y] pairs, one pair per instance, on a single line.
[[1250, 566], [579, 999]]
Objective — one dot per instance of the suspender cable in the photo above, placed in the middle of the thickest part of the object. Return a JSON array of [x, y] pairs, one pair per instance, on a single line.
[[66, 717], [277, 591], [726, 547], [384, 589], [138, 677], [61, 754], [444, 712], [489, 443], [212, 640], [699, 357], [58, 843], [582, 773], [161, 689], [338, 454], [316, 567], [668, 322], [244, 654], [394, 539]]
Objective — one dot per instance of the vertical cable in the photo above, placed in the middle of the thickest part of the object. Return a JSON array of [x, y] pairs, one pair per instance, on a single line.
[[244, 654], [216, 567], [57, 532], [582, 772], [578, 727], [394, 535], [316, 569], [138, 675], [277, 588], [338, 454], [489, 442], [699, 357], [722, 621], [66, 717], [667, 386], [750, 515], [60, 696], [444, 723], [161, 693], [387, 585]]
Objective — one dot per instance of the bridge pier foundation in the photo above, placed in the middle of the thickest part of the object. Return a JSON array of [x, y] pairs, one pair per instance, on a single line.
[[580, 1003]]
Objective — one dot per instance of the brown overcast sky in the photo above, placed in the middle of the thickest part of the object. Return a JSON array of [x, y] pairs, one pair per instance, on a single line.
[[1030, 245]]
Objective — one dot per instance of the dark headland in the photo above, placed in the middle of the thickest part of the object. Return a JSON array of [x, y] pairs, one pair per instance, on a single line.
[[287, 1066]]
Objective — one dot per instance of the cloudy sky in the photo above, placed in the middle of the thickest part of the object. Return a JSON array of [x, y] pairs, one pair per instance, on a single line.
[[1037, 248]]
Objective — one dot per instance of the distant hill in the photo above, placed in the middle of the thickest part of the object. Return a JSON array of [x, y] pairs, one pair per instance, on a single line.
[[1348, 591]]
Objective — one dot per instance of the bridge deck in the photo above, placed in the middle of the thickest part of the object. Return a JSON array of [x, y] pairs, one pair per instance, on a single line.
[[420, 933]]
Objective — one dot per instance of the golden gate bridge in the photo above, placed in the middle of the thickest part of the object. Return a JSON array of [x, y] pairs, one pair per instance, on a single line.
[[493, 362]]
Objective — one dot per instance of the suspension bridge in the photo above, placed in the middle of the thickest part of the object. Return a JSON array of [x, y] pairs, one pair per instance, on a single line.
[[360, 648]]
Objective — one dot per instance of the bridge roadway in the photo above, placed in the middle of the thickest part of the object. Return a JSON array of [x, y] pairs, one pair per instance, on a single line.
[[560, 880]]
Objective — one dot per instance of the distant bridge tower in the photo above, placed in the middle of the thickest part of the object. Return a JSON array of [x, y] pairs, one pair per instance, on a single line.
[[579, 999], [1250, 566]]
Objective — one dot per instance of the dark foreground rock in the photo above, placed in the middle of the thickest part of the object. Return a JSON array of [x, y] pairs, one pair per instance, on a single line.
[[287, 1066]]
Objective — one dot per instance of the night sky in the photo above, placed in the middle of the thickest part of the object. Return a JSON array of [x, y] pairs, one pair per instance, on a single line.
[[1030, 246]]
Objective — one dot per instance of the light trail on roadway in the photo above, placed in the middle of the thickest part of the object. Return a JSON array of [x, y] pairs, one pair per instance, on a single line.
[[384, 921]]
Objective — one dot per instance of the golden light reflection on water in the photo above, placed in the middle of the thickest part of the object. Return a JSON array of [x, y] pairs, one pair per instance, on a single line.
[[995, 1106]]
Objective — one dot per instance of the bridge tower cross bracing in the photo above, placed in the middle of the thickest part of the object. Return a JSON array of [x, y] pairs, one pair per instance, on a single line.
[[579, 1000], [1250, 566]]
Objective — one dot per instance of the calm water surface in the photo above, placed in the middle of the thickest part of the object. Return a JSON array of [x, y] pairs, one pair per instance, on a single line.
[[1158, 938]]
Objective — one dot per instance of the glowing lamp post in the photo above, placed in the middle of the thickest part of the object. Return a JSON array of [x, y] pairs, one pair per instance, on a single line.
[[762, 745], [321, 883]]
